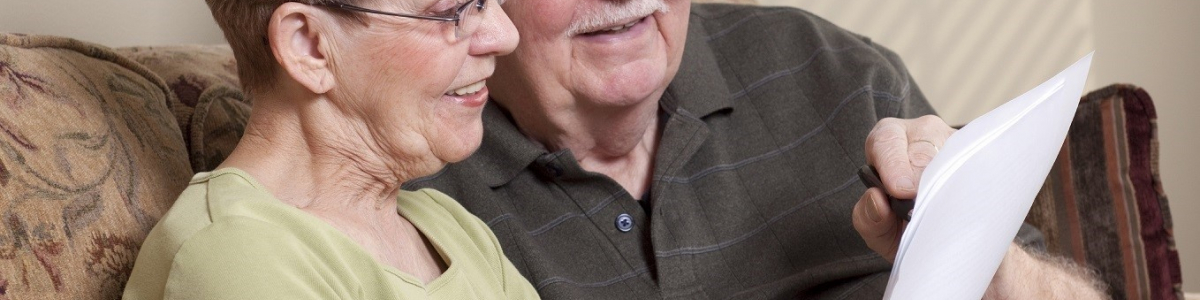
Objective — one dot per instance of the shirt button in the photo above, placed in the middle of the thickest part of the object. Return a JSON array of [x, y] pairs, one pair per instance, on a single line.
[[624, 223]]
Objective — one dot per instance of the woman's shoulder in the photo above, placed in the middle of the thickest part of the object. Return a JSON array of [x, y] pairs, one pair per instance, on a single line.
[[223, 208], [238, 257], [196, 234], [228, 208], [206, 200], [243, 241]]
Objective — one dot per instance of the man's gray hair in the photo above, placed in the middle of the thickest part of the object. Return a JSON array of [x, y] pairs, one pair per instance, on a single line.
[[613, 11]]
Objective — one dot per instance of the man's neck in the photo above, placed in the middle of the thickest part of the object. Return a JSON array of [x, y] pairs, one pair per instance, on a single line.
[[620, 143], [632, 170]]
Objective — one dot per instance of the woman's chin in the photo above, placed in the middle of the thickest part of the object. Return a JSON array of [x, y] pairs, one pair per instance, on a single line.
[[463, 146]]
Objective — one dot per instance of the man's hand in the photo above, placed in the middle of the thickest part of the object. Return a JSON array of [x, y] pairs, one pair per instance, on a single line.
[[899, 149]]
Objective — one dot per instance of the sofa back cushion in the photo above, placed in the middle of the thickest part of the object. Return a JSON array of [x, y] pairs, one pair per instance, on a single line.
[[90, 158], [1103, 204], [209, 105]]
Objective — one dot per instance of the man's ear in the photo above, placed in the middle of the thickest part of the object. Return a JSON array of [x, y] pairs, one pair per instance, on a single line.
[[299, 42]]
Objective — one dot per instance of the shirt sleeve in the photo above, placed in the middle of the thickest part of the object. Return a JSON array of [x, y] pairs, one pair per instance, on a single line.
[[914, 104], [243, 258]]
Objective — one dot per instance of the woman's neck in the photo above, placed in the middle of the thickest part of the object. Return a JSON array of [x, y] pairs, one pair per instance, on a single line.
[[309, 158]]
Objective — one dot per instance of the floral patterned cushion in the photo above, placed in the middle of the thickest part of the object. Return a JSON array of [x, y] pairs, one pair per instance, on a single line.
[[211, 109], [90, 158]]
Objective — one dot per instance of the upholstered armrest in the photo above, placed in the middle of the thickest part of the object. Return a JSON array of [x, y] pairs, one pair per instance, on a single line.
[[1103, 205], [90, 158]]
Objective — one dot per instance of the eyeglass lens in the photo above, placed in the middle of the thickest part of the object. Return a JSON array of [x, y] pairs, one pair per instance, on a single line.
[[467, 22]]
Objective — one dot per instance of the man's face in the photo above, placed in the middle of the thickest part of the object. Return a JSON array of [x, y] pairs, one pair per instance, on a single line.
[[588, 54]]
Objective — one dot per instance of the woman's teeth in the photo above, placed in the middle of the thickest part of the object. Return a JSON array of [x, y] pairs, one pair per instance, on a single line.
[[469, 89]]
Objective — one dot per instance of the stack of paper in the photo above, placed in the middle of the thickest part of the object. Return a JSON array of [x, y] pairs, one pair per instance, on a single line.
[[976, 192]]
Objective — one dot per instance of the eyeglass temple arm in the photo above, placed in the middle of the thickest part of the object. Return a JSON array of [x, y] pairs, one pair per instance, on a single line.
[[368, 10]]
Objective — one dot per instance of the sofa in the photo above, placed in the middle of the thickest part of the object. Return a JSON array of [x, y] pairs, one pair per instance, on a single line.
[[96, 143]]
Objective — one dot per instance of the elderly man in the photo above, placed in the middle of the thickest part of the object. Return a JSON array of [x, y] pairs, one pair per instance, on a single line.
[[660, 149]]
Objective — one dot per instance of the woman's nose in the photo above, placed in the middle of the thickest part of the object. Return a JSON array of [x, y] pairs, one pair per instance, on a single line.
[[496, 34]]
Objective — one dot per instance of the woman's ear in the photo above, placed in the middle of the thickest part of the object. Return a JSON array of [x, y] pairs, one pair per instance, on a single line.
[[298, 41]]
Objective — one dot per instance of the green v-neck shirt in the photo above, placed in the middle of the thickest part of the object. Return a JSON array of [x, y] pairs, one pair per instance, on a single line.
[[226, 237]]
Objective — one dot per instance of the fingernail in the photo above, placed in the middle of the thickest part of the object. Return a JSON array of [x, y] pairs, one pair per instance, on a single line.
[[873, 212], [906, 184]]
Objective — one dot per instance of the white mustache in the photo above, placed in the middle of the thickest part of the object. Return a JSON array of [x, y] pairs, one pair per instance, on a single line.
[[609, 13]]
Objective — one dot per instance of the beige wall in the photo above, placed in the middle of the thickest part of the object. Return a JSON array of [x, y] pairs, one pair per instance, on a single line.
[[114, 22], [968, 56]]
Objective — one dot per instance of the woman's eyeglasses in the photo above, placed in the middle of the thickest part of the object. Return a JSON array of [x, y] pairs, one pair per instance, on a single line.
[[463, 22]]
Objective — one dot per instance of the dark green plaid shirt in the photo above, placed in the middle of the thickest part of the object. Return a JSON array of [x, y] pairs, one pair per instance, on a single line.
[[754, 179]]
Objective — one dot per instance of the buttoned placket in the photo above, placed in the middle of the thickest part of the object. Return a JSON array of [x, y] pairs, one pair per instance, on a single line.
[[607, 206], [683, 135]]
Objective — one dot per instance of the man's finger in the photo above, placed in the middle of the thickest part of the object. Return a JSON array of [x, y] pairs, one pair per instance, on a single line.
[[877, 224], [926, 135], [887, 150]]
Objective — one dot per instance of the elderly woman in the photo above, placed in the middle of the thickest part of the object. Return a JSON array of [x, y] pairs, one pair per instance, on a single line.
[[351, 99]]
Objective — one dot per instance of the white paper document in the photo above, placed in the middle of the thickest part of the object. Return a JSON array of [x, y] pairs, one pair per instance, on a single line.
[[977, 190]]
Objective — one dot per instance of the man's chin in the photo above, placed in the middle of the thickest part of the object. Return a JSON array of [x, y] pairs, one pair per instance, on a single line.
[[629, 84], [628, 96]]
